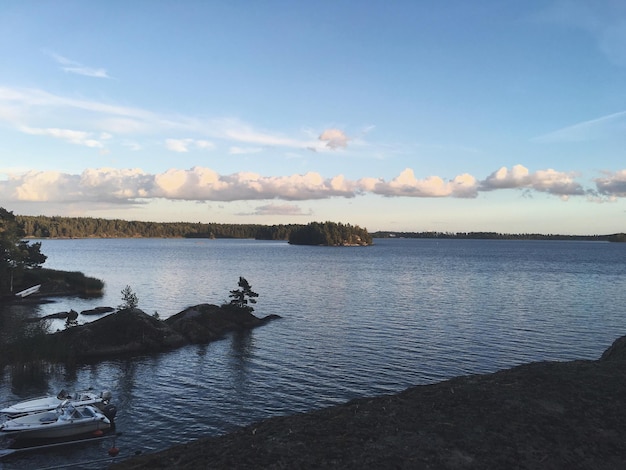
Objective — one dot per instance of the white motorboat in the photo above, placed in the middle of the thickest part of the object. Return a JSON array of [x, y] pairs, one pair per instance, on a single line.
[[50, 402], [65, 421]]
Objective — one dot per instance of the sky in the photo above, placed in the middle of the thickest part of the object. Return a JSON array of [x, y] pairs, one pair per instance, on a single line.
[[421, 115]]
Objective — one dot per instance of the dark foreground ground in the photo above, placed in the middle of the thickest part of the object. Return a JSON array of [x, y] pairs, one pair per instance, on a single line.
[[548, 415]]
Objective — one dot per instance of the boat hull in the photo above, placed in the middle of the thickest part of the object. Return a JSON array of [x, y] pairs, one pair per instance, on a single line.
[[54, 432], [56, 424]]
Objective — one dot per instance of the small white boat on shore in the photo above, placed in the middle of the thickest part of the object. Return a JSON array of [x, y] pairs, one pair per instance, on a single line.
[[66, 420], [50, 402]]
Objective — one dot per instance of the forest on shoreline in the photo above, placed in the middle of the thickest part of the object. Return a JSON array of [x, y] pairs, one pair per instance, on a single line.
[[88, 227]]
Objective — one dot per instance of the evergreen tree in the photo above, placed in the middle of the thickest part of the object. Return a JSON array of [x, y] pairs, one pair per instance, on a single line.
[[129, 298], [16, 255], [240, 297]]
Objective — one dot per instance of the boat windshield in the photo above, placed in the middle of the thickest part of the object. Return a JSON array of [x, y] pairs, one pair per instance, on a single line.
[[63, 405], [68, 411]]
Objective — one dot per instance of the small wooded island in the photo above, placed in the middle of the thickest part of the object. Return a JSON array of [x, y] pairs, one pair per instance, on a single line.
[[330, 234]]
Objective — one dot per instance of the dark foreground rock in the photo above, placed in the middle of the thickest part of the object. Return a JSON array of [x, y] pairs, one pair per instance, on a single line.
[[546, 415]]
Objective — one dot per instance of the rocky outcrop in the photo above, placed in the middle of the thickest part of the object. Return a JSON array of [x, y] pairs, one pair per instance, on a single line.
[[132, 331], [97, 311], [125, 332], [207, 322]]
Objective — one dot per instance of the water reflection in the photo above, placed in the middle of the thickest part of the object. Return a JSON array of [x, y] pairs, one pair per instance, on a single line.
[[126, 378], [30, 379], [240, 354], [242, 348], [15, 324]]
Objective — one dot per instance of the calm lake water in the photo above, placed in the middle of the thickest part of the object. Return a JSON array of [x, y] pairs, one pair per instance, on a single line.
[[356, 322]]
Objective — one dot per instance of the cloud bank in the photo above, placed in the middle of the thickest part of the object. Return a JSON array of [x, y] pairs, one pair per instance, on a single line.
[[128, 186]]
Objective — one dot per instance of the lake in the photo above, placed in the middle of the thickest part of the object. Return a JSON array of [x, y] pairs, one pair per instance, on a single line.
[[357, 321]]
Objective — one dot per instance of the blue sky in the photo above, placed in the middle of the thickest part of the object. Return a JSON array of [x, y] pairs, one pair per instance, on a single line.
[[405, 116]]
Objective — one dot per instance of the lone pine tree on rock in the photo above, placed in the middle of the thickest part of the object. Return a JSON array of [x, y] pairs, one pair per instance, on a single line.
[[240, 297]]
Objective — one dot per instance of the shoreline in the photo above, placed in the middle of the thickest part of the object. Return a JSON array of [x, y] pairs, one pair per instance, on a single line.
[[540, 415]]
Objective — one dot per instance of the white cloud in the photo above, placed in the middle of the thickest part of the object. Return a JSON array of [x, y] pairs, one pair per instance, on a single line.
[[613, 184], [183, 145], [279, 209], [593, 129], [34, 104], [123, 125], [113, 184], [178, 145], [69, 135], [134, 146], [432, 186], [244, 133], [244, 150], [204, 144], [35, 108], [464, 185], [555, 182], [548, 181], [504, 178], [72, 66], [44, 186], [334, 138]]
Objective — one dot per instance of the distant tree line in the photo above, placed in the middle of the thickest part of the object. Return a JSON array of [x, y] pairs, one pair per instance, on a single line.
[[618, 237], [88, 227]]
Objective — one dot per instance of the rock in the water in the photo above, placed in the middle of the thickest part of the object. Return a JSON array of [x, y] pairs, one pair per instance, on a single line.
[[97, 311]]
